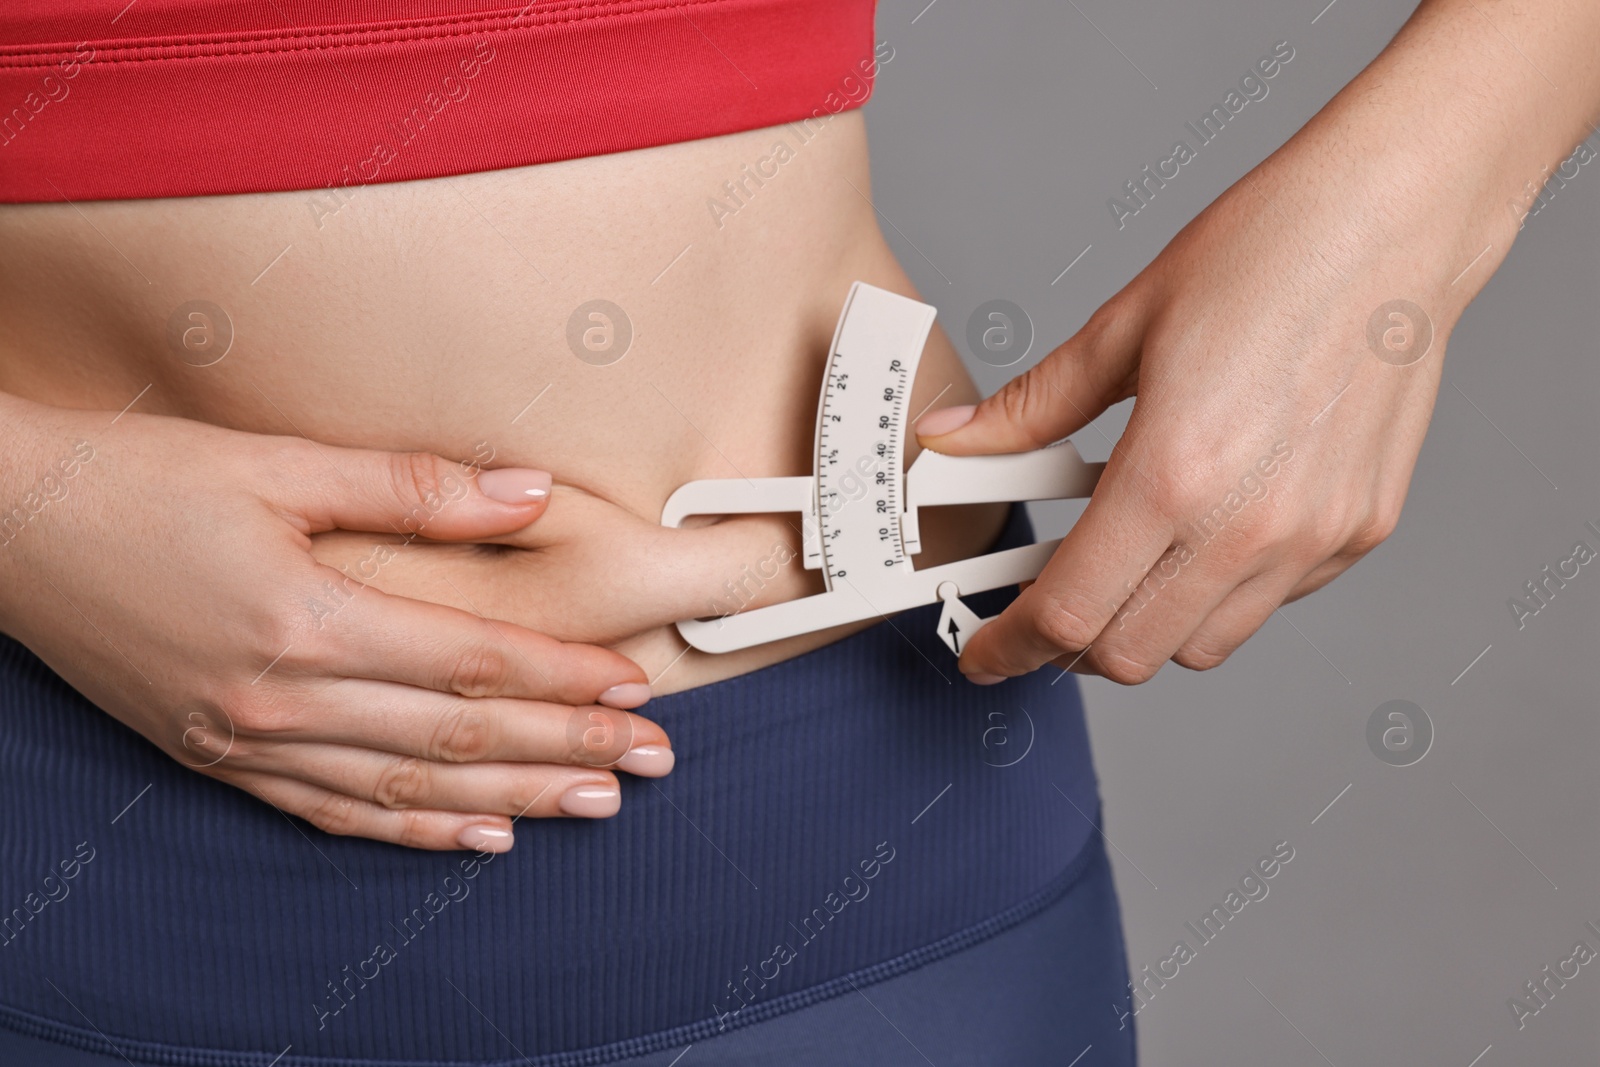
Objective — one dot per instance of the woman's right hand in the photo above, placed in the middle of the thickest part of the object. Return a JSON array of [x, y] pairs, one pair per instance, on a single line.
[[168, 577]]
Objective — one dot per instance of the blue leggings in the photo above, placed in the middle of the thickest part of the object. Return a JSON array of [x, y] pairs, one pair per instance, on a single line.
[[1040, 992]]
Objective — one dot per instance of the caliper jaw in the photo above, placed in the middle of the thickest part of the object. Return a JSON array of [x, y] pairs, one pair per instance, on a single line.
[[1054, 473]]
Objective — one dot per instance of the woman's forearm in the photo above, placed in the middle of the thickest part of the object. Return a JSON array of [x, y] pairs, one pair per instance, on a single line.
[[1451, 132], [1508, 84]]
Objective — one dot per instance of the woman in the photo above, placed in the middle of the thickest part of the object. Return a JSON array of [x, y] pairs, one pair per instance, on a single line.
[[337, 482]]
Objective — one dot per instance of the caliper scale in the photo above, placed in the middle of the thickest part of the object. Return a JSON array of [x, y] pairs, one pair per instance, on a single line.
[[860, 508]]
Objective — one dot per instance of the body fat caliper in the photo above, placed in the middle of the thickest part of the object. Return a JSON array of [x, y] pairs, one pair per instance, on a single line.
[[860, 507]]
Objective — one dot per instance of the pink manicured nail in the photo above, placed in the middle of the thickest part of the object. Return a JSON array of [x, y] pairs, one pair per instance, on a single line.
[[945, 420], [651, 761], [515, 485], [485, 839], [624, 696], [591, 801], [986, 679]]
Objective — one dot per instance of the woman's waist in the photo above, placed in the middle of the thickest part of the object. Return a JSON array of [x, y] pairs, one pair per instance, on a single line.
[[592, 318]]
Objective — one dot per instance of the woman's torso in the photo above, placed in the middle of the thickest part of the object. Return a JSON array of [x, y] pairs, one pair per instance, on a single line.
[[434, 315], [444, 315]]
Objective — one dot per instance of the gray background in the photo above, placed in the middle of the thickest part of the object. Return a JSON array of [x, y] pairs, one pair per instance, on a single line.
[[1408, 916]]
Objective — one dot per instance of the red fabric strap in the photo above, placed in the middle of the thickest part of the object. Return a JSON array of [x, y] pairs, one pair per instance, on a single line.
[[194, 97]]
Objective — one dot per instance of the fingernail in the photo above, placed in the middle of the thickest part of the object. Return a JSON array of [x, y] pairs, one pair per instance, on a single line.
[[591, 801], [945, 420], [624, 696], [651, 761], [515, 485], [485, 838], [986, 679]]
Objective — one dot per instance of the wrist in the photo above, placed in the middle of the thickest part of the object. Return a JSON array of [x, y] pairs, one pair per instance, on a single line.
[[1381, 225], [1389, 207]]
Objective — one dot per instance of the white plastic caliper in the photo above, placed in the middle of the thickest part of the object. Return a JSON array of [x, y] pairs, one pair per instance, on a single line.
[[860, 509]]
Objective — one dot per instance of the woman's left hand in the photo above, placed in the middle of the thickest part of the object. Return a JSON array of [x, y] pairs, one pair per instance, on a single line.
[[1285, 350], [1270, 447]]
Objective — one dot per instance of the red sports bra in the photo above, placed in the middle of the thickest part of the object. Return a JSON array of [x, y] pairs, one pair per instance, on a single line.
[[192, 97]]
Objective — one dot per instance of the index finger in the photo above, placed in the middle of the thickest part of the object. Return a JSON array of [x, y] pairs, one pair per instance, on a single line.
[[394, 639]]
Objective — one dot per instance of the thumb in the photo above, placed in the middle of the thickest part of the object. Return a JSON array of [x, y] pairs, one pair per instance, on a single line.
[[413, 494], [1058, 396]]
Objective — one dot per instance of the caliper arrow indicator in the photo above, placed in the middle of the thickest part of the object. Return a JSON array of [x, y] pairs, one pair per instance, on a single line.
[[955, 619]]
